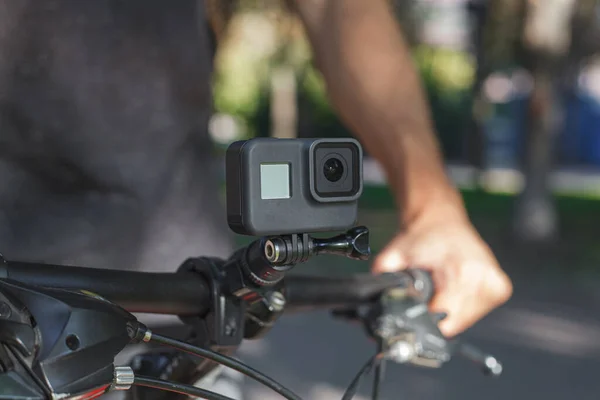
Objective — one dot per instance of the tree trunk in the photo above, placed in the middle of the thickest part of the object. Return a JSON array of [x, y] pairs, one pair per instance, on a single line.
[[475, 140], [545, 47], [284, 109], [536, 219]]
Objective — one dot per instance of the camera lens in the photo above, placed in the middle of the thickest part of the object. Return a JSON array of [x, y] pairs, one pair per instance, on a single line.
[[333, 169]]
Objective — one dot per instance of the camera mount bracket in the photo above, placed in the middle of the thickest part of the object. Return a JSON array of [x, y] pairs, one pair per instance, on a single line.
[[254, 273]]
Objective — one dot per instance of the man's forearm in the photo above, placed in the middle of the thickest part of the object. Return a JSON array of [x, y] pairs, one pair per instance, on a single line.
[[374, 86]]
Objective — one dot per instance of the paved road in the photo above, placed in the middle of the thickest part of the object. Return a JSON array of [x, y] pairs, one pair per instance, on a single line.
[[549, 345]]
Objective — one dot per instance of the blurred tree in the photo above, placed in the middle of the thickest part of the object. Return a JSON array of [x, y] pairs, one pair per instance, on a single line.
[[248, 78], [497, 24], [255, 64], [585, 31], [545, 47], [551, 39], [405, 12], [585, 41], [219, 15]]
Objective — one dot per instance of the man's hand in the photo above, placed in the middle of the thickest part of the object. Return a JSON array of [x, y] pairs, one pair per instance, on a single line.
[[469, 282]]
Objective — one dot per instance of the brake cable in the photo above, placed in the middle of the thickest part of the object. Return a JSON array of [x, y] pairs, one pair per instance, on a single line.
[[150, 337], [178, 388], [374, 361]]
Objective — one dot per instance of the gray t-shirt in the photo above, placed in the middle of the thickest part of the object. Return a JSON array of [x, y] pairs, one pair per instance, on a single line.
[[105, 159]]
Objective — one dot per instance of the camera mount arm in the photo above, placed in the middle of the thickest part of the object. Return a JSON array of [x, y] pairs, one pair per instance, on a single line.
[[285, 250], [269, 259]]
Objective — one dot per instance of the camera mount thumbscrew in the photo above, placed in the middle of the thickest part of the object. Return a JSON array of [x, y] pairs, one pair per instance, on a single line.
[[354, 244]]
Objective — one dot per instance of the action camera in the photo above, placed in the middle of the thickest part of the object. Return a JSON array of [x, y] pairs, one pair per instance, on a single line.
[[285, 186]]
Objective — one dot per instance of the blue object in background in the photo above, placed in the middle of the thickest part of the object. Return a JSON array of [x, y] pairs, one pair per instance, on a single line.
[[504, 133], [501, 142], [579, 140], [571, 139], [581, 134]]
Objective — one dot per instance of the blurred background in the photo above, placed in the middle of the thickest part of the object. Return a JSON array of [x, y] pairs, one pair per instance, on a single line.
[[514, 86]]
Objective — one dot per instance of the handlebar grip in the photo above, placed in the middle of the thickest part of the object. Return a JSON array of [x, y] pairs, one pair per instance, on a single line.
[[181, 293], [324, 292]]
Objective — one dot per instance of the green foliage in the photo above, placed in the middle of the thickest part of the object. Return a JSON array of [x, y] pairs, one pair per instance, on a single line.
[[238, 85], [451, 71], [447, 78], [241, 88], [313, 89], [320, 120]]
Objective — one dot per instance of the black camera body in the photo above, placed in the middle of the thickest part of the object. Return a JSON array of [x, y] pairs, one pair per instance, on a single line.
[[285, 186]]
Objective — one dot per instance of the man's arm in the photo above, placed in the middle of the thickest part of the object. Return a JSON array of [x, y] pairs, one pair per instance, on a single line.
[[374, 87]]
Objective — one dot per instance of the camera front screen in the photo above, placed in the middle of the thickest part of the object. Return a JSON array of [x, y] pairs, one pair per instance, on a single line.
[[275, 181]]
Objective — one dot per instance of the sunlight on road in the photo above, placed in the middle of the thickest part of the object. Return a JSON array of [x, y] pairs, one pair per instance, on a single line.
[[324, 391], [254, 348], [319, 392], [551, 333], [425, 387]]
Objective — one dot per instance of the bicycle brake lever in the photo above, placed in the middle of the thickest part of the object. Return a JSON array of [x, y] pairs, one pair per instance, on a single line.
[[489, 365], [411, 335], [401, 323], [409, 331]]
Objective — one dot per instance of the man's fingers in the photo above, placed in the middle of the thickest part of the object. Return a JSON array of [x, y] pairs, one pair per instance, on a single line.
[[391, 259], [499, 287], [469, 283], [466, 304], [460, 315]]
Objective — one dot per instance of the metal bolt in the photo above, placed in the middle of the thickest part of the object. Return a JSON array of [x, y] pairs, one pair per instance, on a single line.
[[5, 311], [147, 336], [277, 301], [230, 328], [492, 366], [385, 326], [419, 285], [401, 352], [123, 378], [274, 250]]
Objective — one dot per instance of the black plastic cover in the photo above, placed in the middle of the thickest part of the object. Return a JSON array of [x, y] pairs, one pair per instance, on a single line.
[[81, 333]]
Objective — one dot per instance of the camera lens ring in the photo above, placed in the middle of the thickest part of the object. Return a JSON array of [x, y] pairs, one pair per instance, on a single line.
[[333, 168], [347, 189]]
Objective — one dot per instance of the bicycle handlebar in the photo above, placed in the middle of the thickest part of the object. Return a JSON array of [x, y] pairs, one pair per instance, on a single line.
[[308, 292], [185, 293]]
